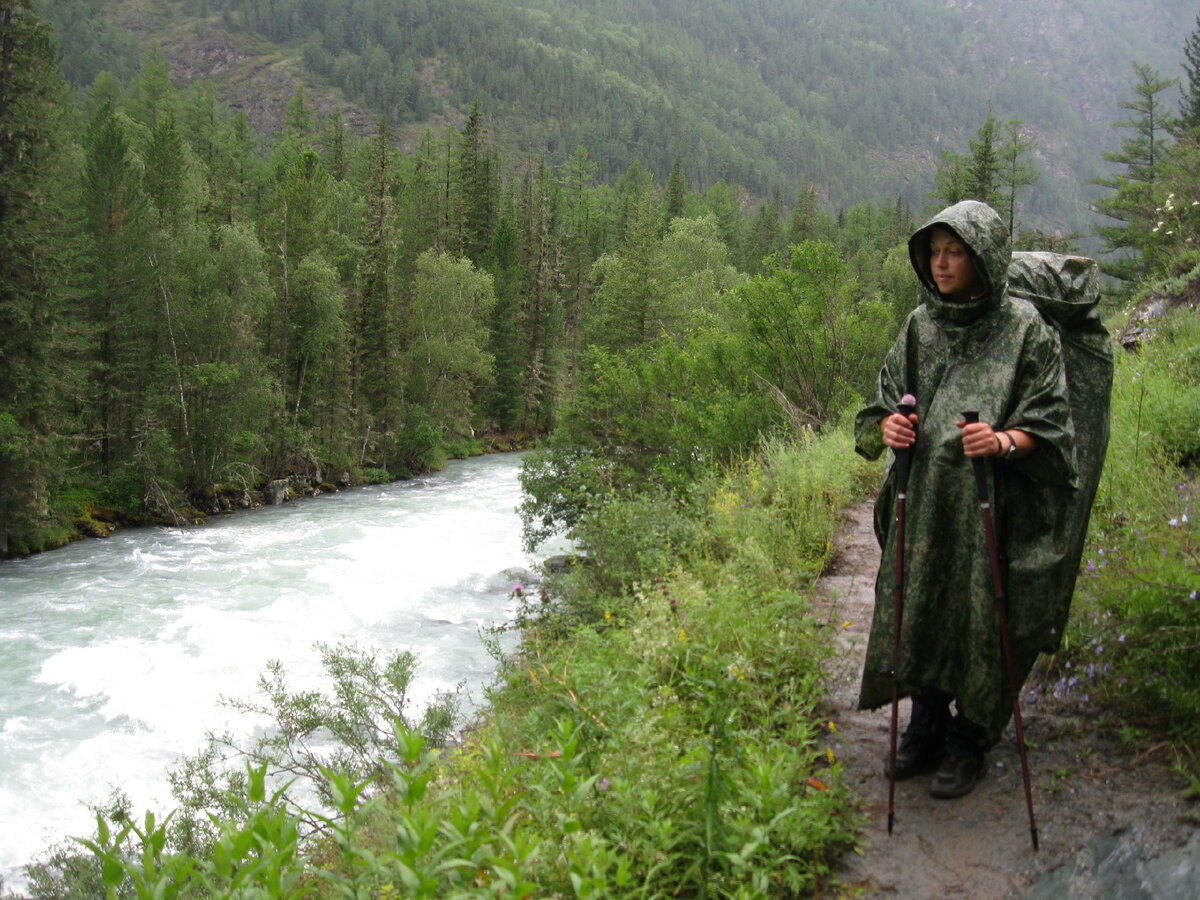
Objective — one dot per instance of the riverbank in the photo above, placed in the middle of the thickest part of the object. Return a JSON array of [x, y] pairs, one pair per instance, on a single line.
[[88, 516]]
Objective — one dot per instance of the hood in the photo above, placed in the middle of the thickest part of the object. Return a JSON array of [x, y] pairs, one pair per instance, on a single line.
[[986, 237]]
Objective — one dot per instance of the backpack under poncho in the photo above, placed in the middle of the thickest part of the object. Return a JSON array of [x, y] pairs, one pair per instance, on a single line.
[[1066, 290]]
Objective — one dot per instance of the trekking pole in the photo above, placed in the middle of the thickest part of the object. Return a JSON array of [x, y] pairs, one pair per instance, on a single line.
[[985, 506], [908, 405]]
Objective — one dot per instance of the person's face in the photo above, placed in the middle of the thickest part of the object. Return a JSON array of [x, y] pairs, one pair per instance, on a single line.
[[950, 265]]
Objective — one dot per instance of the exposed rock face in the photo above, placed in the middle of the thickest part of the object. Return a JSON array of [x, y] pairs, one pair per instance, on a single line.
[[1140, 326]]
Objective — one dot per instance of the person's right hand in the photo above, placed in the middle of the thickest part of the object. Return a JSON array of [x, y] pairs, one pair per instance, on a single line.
[[899, 432]]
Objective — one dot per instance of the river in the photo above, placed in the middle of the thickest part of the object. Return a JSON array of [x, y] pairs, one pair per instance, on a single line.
[[115, 653]]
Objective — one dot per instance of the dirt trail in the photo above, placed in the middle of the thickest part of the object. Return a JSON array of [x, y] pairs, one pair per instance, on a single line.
[[1095, 804]]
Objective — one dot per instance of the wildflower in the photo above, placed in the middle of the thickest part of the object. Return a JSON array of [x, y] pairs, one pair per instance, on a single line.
[[683, 634], [832, 725], [829, 755], [607, 615], [845, 625], [603, 784]]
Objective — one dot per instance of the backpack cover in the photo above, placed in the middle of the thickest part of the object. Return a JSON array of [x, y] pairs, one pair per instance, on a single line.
[[1066, 290]]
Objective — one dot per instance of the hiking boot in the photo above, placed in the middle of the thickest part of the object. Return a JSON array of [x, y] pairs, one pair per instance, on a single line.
[[924, 740], [962, 766], [916, 755], [956, 776]]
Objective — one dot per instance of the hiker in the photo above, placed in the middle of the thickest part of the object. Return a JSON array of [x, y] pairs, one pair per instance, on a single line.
[[968, 345]]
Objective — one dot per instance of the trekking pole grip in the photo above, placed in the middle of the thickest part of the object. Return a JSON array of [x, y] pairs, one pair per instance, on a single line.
[[971, 416], [906, 407]]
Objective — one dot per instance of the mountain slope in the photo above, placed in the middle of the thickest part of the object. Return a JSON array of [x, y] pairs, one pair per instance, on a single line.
[[859, 95]]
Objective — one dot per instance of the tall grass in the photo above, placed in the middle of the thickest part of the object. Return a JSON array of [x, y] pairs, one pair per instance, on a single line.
[[1133, 647]]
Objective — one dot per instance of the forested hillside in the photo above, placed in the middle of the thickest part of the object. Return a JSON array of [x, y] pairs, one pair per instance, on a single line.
[[859, 96]]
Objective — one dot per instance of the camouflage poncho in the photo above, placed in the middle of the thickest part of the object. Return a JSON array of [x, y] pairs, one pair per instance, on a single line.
[[996, 354]]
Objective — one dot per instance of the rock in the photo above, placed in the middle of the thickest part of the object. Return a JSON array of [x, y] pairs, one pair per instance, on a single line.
[[1159, 304], [277, 492], [562, 562], [1115, 865]]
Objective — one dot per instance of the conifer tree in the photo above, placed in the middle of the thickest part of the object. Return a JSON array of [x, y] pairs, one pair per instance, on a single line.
[[951, 181], [152, 96], [1014, 171], [476, 188], [165, 167], [763, 236], [296, 225], [973, 176], [33, 106], [581, 226], [725, 204], [628, 300], [676, 193], [299, 119], [422, 217], [1189, 107], [540, 260], [1132, 203], [333, 143], [984, 164], [118, 288], [503, 403], [632, 187], [803, 222], [378, 390]]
